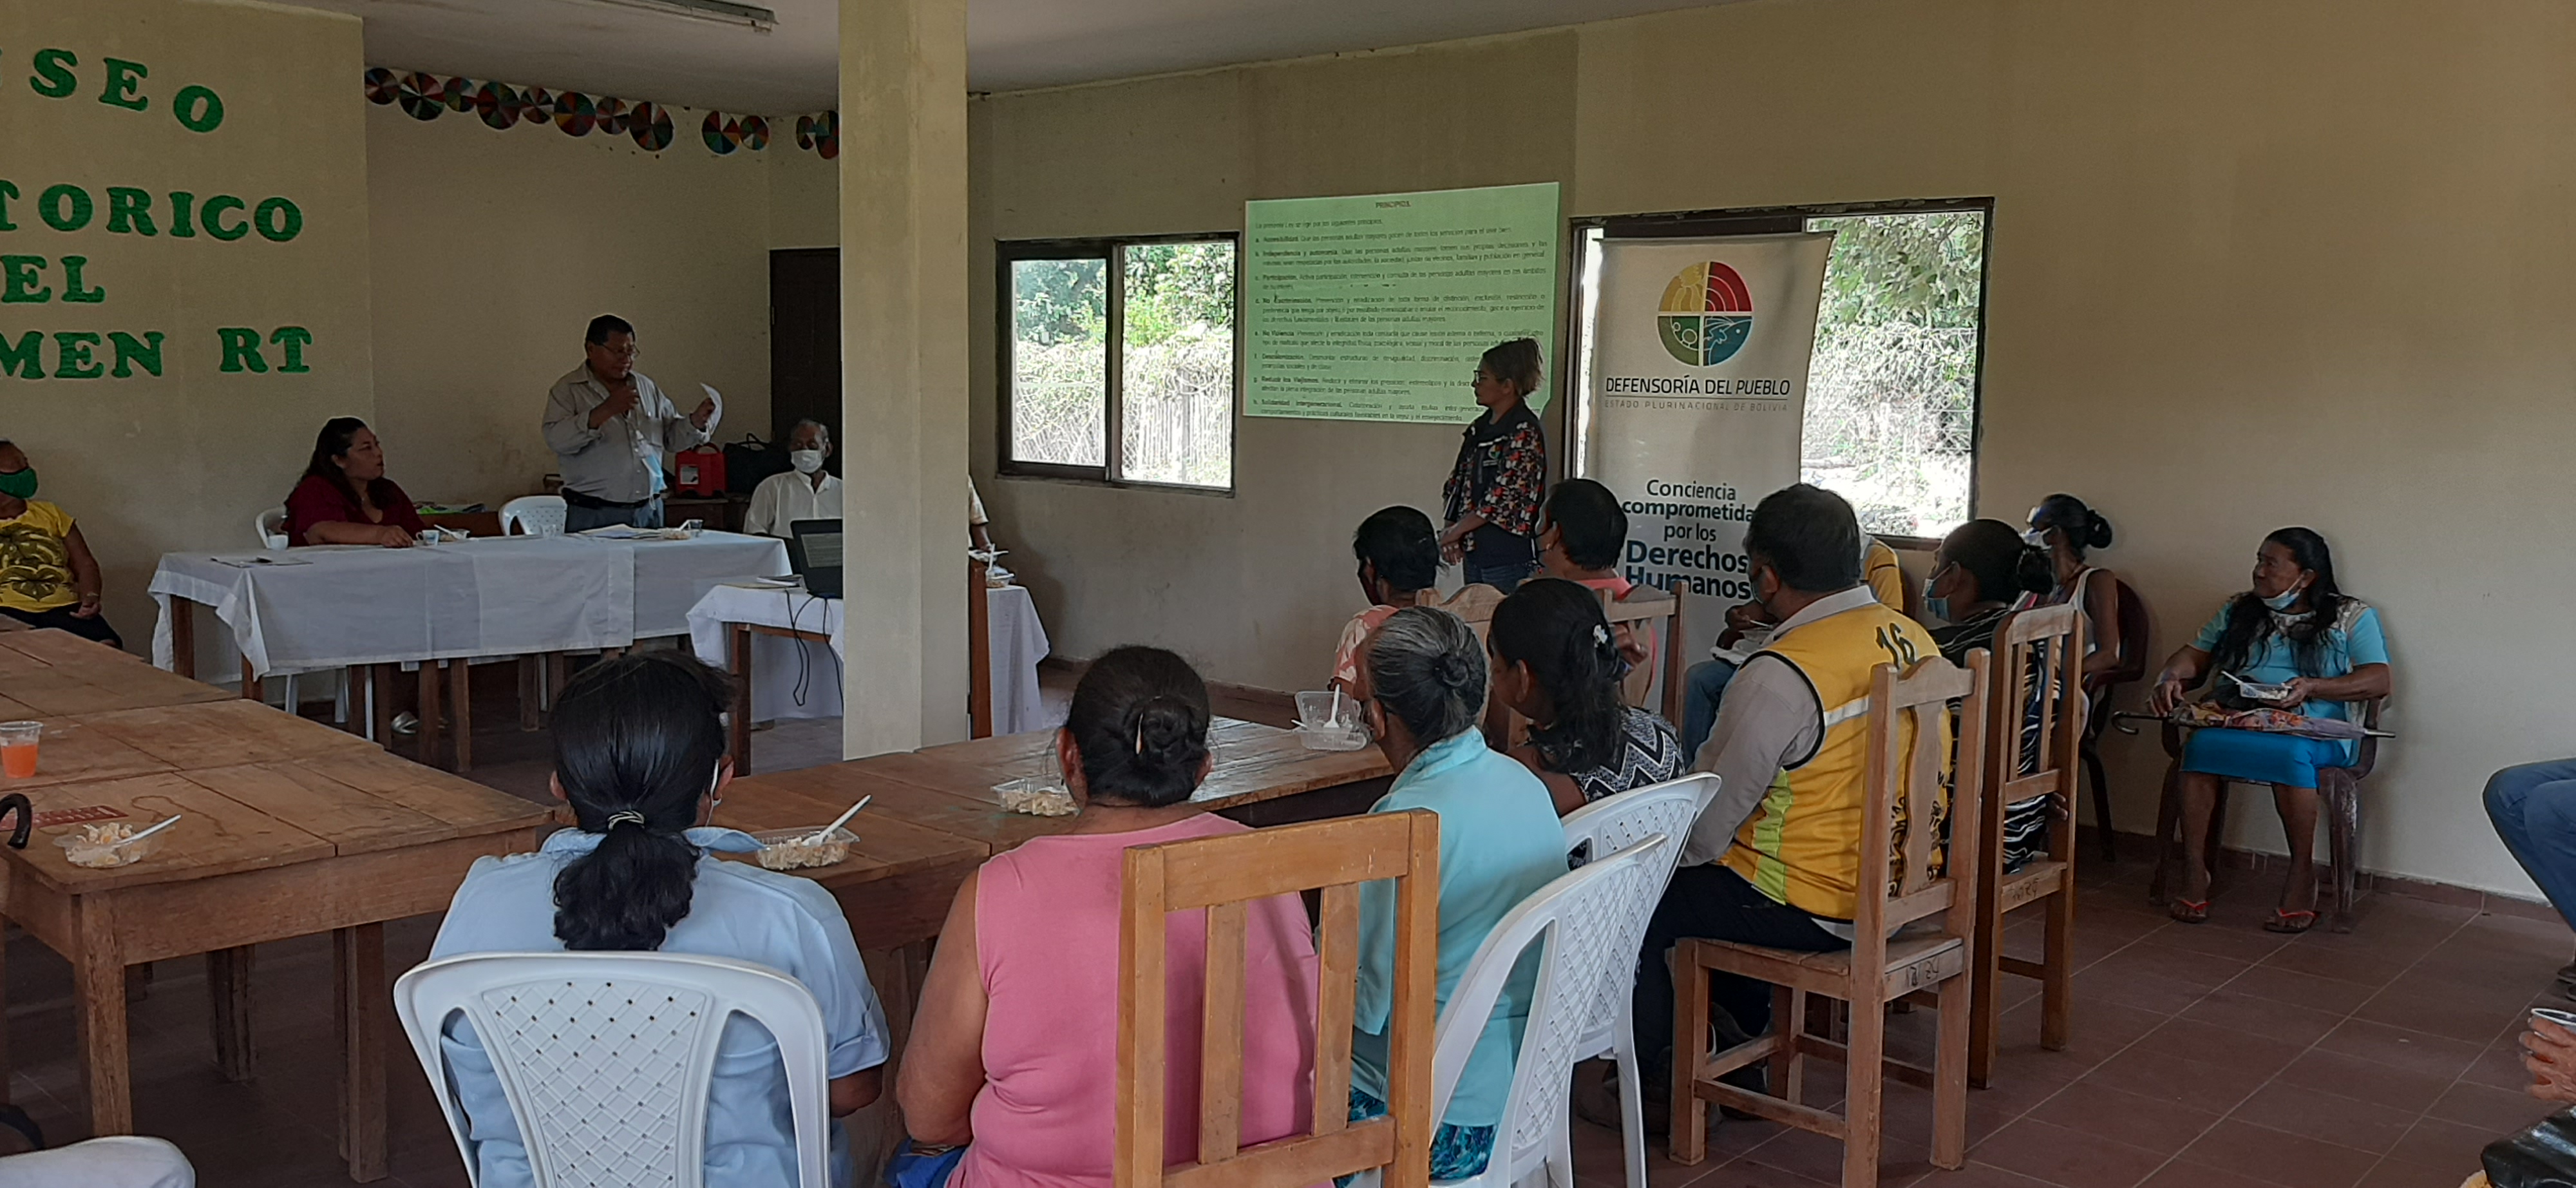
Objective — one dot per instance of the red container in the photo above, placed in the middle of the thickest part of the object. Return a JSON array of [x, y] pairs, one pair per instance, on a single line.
[[699, 471]]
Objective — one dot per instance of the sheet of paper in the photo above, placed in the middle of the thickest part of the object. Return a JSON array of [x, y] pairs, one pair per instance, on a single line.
[[716, 398]]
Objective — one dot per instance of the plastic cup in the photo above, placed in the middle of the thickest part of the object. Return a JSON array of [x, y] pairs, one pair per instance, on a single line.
[[18, 748]]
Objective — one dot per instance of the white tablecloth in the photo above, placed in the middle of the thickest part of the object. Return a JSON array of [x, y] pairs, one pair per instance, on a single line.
[[494, 596], [781, 666]]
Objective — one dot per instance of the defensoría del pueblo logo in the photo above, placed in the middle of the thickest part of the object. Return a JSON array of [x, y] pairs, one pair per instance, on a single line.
[[1706, 315]]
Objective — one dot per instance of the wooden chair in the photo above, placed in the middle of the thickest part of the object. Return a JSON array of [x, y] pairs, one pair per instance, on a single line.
[[1475, 604], [1221, 874], [2339, 796], [1880, 967], [2101, 689], [1659, 611], [2035, 682]]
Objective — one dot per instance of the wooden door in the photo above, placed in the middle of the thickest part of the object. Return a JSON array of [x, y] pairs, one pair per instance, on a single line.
[[805, 342]]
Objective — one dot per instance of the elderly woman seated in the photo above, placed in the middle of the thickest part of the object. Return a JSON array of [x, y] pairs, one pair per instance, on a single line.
[[2293, 629], [47, 576], [1422, 688], [344, 496], [1013, 1056]]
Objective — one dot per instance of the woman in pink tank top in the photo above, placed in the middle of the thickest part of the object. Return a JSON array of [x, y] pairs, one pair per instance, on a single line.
[[1014, 1050]]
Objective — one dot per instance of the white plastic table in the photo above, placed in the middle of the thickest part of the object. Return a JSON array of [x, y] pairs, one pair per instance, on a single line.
[[790, 644]]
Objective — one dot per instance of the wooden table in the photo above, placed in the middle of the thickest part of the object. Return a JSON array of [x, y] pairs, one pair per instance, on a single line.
[[292, 828], [935, 817]]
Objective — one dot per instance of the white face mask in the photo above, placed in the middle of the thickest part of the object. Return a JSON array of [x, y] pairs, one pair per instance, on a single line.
[[805, 461]]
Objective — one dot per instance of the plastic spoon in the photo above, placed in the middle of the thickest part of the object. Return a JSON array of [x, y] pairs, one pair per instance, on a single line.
[[174, 819], [819, 835]]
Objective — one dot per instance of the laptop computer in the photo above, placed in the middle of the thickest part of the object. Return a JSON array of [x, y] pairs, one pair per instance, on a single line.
[[815, 552]]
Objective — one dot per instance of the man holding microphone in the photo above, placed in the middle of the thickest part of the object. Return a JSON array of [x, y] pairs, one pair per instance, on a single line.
[[609, 426]]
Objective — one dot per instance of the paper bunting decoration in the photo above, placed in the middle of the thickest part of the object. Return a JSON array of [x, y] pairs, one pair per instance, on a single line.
[[650, 126], [820, 134], [723, 136], [423, 96], [498, 103], [574, 114]]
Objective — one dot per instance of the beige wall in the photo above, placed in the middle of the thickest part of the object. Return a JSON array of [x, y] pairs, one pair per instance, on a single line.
[[1253, 588], [804, 198], [185, 460], [2301, 262], [493, 249]]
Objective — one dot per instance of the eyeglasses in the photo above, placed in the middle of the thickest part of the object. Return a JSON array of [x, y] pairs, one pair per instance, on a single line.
[[1479, 377], [629, 351]]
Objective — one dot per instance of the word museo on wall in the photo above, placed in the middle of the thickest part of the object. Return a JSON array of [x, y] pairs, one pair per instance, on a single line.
[[29, 213]]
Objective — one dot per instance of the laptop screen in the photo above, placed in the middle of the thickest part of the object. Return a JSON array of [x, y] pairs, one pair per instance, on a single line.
[[822, 549]]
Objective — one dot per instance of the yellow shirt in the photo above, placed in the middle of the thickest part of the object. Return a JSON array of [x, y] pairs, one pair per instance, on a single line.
[[36, 559], [1886, 577]]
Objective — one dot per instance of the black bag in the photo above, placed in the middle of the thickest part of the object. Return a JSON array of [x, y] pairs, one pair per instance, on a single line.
[[749, 461], [2543, 1156]]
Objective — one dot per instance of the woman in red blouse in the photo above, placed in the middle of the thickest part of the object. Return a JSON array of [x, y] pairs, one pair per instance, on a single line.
[[345, 498], [1494, 489]]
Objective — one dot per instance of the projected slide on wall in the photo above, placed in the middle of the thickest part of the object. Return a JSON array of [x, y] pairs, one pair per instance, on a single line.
[[1375, 308]]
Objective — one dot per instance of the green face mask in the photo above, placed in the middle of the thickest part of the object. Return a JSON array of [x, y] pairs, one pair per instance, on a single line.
[[19, 484]]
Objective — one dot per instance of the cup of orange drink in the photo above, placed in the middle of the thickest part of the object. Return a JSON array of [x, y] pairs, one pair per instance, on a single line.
[[18, 748]]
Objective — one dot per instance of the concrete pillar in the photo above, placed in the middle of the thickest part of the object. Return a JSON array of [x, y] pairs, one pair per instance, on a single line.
[[903, 371]]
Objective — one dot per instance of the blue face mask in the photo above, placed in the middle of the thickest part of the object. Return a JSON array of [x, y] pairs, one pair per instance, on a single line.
[[1933, 604], [2284, 600]]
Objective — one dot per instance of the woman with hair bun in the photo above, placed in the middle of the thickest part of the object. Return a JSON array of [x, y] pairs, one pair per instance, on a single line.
[[1422, 690], [2063, 526], [1011, 1073], [1491, 501], [1557, 663], [640, 757]]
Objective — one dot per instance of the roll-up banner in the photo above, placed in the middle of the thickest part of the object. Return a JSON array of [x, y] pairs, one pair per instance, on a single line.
[[1699, 387]]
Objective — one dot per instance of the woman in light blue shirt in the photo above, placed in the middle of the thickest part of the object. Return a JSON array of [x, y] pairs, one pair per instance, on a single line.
[[2296, 629], [1422, 687], [640, 755]]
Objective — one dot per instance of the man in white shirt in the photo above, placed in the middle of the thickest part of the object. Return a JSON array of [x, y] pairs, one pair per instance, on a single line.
[[804, 493]]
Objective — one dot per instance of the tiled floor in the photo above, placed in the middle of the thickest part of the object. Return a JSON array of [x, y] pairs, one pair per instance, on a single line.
[[2212, 1056], [2216, 1056]]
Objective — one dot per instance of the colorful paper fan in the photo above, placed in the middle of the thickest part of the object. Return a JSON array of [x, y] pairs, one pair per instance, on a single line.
[[460, 95], [574, 114], [613, 114], [723, 135], [821, 133], [650, 126], [423, 96], [805, 133], [536, 106], [755, 133], [497, 103], [382, 85]]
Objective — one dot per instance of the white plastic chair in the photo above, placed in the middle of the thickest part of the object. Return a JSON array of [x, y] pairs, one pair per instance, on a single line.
[[1576, 922], [1615, 823], [606, 1058], [535, 515]]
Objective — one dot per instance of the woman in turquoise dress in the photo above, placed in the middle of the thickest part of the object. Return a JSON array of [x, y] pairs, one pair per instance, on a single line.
[[2295, 629]]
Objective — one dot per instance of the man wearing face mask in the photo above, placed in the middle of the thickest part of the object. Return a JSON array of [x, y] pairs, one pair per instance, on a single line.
[[47, 576], [806, 492], [1775, 859]]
